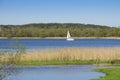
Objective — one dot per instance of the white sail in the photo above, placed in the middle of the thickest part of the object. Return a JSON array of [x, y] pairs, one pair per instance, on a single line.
[[69, 37]]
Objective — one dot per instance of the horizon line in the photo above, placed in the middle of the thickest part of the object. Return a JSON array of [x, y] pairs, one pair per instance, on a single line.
[[61, 23]]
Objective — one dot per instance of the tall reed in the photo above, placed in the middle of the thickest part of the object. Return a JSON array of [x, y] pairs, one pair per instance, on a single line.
[[7, 58], [103, 54]]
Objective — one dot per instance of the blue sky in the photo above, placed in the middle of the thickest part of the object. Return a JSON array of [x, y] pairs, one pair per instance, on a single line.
[[101, 12]]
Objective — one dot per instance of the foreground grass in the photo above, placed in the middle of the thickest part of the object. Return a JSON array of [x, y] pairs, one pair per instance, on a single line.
[[65, 56], [111, 74], [103, 54]]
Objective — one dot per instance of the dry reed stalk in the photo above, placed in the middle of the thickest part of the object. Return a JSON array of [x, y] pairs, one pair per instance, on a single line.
[[103, 54]]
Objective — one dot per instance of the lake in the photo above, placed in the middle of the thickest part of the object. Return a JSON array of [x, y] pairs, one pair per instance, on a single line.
[[68, 72], [57, 43]]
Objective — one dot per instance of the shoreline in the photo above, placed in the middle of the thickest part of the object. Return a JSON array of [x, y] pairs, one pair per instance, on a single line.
[[60, 38], [110, 73]]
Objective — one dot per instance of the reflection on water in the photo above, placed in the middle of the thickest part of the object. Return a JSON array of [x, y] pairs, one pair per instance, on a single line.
[[71, 72]]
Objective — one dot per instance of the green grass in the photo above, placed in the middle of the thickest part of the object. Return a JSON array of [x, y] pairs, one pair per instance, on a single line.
[[111, 74], [65, 62]]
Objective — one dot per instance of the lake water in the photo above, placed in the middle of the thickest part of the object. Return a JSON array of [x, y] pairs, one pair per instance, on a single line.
[[70, 72], [57, 43], [76, 72]]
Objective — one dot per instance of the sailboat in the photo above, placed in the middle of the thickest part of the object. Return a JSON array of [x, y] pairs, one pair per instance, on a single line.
[[69, 38]]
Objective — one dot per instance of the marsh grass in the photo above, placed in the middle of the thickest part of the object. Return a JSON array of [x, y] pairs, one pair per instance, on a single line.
[[104, 54], [66, 56], [111, 74]]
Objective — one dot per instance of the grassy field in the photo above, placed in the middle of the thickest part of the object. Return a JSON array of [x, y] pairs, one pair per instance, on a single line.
[[111, 74], [65, 56]]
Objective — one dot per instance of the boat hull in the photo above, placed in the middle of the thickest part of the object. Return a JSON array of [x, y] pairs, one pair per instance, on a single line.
[[70, 39]]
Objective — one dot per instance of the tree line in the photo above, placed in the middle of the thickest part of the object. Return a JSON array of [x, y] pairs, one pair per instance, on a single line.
[[58, 30]]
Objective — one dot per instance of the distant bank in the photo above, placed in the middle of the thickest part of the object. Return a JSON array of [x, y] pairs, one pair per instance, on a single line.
[[58, 30], [59, 38]]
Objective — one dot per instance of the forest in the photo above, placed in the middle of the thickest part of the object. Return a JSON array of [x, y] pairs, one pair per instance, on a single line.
[[58, 30]]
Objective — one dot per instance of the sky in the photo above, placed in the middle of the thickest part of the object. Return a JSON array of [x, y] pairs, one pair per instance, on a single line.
[[99, 12]]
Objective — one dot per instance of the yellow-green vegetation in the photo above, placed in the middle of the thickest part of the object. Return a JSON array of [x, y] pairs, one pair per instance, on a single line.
[[111, 74], [65, 56]]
